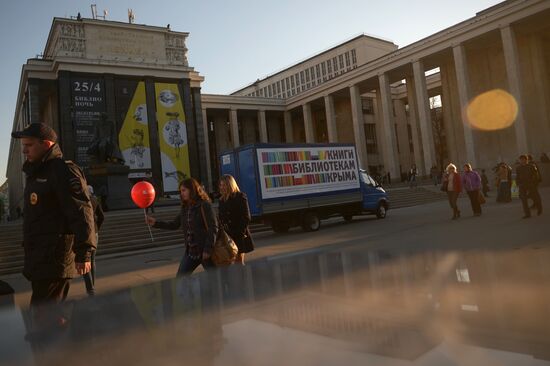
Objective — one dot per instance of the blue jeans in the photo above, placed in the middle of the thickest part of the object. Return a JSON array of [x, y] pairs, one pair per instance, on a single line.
[[188, 265], [89, 278]]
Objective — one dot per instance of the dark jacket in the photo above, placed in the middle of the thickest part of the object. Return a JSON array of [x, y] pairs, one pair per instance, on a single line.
[[58, 218], [201, 237], [527, 175], [234, 219], [99, 217]]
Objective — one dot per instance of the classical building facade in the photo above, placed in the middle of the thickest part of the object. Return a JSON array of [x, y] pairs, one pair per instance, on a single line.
[[475, 92], [412, 105], [116, 89]]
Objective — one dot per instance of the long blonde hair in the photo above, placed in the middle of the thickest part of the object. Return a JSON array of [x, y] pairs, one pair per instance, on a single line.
[[451, 167], [231, 186]]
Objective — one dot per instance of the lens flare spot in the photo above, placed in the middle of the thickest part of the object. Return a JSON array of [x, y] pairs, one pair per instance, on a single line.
[[493, 110]]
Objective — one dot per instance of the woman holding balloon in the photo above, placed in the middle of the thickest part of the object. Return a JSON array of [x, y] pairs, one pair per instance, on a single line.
[[199, 224]]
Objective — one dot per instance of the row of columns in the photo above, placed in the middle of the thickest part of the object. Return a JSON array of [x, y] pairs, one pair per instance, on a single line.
[[420, 117]]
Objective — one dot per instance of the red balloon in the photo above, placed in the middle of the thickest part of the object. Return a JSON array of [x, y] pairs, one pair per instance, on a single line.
[[143, 194]]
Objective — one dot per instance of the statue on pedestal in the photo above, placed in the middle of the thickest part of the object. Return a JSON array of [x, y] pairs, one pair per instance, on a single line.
[[104, 149]]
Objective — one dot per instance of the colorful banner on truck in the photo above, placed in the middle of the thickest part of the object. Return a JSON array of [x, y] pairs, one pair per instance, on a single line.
[[300, 171], [174, 151]]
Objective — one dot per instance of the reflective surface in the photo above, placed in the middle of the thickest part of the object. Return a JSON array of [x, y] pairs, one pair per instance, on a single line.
[[348, 306]]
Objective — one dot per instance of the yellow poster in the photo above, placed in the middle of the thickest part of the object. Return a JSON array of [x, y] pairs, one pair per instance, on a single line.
[[133, 138], [174, 149]]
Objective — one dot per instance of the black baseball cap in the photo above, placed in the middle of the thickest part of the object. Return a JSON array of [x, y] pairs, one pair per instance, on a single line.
[[38, 130]]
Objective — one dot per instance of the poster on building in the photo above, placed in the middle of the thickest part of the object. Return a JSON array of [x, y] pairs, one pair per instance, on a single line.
[[174, 151], [300, 171], [88, 103], [133, 137]]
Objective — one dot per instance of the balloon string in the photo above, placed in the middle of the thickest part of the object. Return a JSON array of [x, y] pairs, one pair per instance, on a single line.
[[149, 227]]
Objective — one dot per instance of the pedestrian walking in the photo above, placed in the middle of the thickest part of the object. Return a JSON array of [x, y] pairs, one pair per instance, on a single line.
[[434, 174], [471, 182], [99, 217], [527, 178], [234, 215], [504, 183], [199, 224], [531, 161], [58, 224], [484, 183], [412, 176], [452, 185]]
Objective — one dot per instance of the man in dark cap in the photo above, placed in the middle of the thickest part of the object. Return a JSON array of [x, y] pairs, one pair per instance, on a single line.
[[58, 222], [527, 178]]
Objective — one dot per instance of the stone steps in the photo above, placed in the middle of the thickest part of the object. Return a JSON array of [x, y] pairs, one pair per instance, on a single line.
[[125, 231]]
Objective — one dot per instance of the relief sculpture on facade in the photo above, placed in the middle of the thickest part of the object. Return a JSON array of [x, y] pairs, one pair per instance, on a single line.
[[176, 52], [72, 30]]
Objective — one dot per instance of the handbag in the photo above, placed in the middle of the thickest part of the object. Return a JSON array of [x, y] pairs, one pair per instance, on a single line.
[[225, 250], [444, 186], [481, 198], [246, 245]]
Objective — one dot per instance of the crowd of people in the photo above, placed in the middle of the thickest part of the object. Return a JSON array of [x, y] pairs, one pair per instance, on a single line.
[[476, 186], [63, 218]]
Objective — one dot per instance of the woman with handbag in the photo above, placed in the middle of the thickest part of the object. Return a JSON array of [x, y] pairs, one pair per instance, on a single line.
[[234, 215], [199, 224]]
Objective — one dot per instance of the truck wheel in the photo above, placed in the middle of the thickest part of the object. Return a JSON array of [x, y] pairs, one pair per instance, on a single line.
[[381, 211], [311, 222], [280, 227], [348, 217]]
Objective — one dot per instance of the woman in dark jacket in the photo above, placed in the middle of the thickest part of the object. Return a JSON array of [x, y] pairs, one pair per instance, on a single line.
[[199, 224], [234, 215]]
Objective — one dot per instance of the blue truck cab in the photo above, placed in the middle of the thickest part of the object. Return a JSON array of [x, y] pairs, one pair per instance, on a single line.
[[291, 185]]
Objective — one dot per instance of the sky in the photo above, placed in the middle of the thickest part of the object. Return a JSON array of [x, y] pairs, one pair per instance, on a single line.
[[231, 42]]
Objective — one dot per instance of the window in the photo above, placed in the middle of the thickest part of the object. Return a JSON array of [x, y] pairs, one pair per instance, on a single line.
[[341, 59], [368, 105], [302, 79], [292, 81], [353, 57], [279, 87], [335, 64], [329, 67], [370, 137], [287, 82], [348, 64], [323, 69], [307, 75], [318, 71]]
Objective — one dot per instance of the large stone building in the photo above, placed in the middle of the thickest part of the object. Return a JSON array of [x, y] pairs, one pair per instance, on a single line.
[[475, 92]]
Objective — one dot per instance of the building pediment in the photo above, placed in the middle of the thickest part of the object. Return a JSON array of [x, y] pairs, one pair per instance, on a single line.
[[113, 42]]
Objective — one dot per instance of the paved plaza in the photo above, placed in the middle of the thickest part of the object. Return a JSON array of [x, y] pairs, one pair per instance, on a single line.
[[425, 227]]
